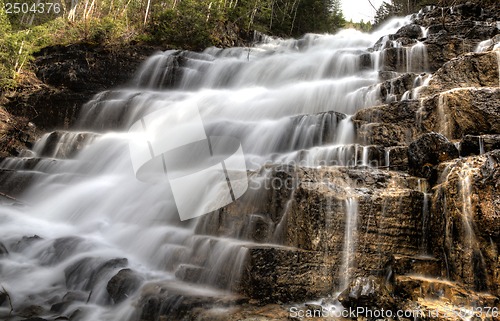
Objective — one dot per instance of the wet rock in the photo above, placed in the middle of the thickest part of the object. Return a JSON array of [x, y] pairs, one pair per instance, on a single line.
[[393, 90], [170, 301], [17, 134], [475, 145], [416, 265], [24, 243], [14, 183], [365, 61], [367, 292], [465, 216], [313, 222], [3, 297], [443, 47], [3, 250], [64, 247], [123, 284], [396, 157], [388, 125], [409, 31], [87, 272], [59, 144], [426, 152], [275, 274], [419, 287], [467, 70]]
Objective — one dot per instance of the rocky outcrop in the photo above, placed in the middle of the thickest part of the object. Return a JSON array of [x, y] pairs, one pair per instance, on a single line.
[[17, 134], [123, 284], [467, 70], [67, 77], [388, 125], [475, 145], [427, 152], [462, 111], [465, 215]]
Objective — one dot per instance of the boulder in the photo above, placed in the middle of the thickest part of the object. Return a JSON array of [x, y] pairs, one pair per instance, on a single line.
[[123, 284], [409, 31], [429, 150], [85, 273], [3, 250]]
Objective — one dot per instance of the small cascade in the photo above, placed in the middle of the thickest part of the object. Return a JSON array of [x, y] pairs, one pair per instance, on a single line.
[[444, 121], [416, 58], [423, 187], [350, 240], [420, 82], [497, 50], [63, 144], [462, 253], [465, 175], [481, 144]]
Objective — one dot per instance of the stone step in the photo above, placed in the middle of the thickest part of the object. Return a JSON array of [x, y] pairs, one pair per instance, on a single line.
[[426, 288], [28, 163], [14, 183], [478, 144], [421, 265], [63, 144]]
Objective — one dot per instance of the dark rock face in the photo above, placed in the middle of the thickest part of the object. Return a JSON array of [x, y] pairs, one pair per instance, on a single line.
[[3, 250], [85, 273], [17, 134], [388, 125], [393, 90], [123, 284], [475, 145], [68, 76], [469, 70], [409, 31], [429, 150], [275, 274], [460, 112], [466, 214]]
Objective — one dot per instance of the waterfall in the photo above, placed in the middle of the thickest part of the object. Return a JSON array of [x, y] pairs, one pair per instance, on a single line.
[[86, 216], [350, 237]]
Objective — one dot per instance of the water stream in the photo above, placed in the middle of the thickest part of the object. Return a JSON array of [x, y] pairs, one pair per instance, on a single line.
[[287, 101]]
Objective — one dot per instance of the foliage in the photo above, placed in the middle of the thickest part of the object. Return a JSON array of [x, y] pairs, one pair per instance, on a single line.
[[405, 7], [361, 26], [190, 24]]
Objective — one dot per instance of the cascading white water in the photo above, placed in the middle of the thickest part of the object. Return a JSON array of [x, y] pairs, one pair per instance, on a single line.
[[350, 240], [90, 213]]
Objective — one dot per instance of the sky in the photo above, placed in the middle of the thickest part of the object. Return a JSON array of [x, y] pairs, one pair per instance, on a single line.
[[359, 9]]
